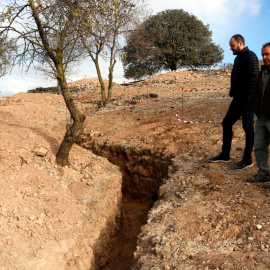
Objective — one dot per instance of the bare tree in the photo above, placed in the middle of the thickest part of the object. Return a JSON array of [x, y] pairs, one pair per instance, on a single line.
[[101, 32], [69, 69], [48, 31], [7, 50]]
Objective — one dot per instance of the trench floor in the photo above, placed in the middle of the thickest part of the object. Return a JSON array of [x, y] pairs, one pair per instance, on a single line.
[[134, 216]]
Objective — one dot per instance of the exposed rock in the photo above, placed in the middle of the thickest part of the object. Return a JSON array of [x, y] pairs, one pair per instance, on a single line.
[[42, 152]]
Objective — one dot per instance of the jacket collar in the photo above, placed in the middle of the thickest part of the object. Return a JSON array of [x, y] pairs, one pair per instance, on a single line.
[[243, 50]]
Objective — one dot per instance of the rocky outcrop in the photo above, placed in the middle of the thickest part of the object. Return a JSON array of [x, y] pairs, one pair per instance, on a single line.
[[52, 90]]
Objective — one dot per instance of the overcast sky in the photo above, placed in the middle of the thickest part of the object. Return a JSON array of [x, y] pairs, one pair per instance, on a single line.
[[249, 18]]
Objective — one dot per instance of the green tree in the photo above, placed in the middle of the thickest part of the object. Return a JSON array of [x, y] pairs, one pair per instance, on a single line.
[[48, 31], [170, 40]]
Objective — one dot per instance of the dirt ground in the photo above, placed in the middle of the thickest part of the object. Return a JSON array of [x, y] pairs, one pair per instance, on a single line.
[[206, 216], [49, 214]]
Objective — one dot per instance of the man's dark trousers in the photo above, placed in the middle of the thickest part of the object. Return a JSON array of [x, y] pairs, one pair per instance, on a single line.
[[237, 109]]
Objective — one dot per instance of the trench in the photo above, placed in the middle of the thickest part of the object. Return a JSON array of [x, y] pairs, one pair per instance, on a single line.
[[143, 171]]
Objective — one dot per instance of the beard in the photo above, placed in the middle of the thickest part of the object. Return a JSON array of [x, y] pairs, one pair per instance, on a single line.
[[238, 50]]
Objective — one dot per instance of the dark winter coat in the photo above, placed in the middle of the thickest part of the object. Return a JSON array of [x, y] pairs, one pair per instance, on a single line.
[[262, 105], [244, 75]]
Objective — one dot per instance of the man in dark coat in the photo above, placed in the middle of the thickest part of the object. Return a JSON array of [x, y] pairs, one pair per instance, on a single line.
[[262, 127], [243, 86]]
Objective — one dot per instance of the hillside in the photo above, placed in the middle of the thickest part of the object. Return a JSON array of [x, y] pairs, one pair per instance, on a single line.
[[140, 181]]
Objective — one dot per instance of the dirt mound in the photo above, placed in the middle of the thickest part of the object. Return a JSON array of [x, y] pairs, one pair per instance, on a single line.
[[49, 214]]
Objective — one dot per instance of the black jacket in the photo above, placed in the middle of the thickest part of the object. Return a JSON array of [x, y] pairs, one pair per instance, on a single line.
[[262, 105], [244, 75]]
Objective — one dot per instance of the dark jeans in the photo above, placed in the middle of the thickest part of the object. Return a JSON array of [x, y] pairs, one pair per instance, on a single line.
[[235, 111]]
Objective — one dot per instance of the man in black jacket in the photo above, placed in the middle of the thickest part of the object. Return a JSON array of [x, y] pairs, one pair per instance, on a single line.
[[243, 86], [262, 127]]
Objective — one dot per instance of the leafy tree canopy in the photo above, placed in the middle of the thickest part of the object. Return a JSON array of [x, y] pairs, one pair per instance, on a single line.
[[170, 40]]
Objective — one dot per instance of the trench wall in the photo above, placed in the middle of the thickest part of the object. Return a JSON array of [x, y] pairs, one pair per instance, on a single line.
[[143, 172]]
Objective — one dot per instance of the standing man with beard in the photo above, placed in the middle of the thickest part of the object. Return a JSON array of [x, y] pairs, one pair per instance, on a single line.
[[262, 127], [243, 86]]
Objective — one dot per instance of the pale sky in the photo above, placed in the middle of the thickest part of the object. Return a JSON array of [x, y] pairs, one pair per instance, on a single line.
[[225, 18]]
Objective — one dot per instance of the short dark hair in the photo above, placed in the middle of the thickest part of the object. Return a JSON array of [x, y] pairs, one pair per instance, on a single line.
[[266, 45], [239, 38]]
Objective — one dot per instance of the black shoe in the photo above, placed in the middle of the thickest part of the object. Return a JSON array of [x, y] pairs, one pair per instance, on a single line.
[[266, 185], [259, 179], [220, 158], [244, 163]]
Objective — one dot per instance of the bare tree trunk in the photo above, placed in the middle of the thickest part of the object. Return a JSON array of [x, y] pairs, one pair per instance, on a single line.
[[109, 96], [111, 68], [102, 85], [74, 130], [58, 88], [172, 66], [71, 136]]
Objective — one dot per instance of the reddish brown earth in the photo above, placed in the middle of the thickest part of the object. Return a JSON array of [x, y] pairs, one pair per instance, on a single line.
[[205, 215], [50, 217]]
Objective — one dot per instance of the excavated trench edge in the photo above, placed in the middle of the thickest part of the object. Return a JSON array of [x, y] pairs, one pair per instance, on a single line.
[[143, 171]]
